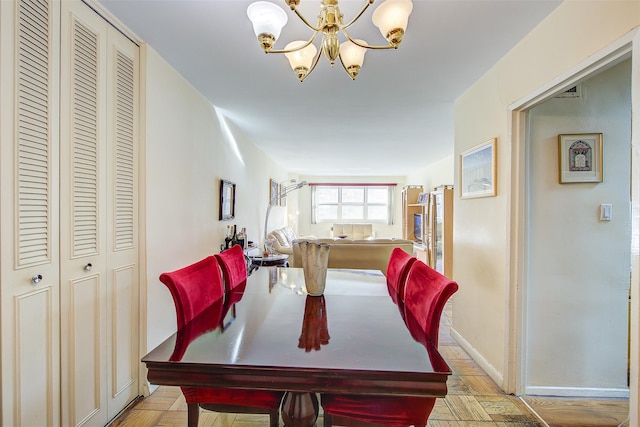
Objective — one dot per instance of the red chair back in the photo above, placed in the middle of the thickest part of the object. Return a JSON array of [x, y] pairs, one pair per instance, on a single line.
[[234, 267], [194, 288], [425, 295], [397, 270], [198, 289]]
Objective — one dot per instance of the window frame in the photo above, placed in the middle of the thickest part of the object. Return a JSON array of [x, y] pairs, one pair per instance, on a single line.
[[365, 203]]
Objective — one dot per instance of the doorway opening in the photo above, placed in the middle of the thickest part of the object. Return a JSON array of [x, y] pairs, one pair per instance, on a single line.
[[571, 312]]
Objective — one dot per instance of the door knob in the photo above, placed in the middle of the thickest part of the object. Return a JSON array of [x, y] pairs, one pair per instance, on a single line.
[[36, 279], [88, 267]]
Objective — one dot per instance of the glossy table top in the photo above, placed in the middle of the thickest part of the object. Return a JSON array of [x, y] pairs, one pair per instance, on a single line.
[[274, 336], [339, 282]]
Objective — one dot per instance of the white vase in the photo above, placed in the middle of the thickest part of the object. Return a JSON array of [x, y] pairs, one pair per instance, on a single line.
[[315, 258]]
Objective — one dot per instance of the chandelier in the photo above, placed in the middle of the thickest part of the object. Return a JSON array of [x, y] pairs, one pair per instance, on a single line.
[[268, 19]]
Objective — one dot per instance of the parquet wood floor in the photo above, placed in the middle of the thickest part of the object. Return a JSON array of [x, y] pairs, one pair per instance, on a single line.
[[567, 412], [473, 400]]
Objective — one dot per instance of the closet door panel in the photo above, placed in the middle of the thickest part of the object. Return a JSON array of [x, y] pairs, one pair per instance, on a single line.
[[122, 245], [86, 377], [36, 371], [123, 372], [29, 227], [83, 210]]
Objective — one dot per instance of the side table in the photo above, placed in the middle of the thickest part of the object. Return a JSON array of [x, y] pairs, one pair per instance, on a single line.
[[275, 260]]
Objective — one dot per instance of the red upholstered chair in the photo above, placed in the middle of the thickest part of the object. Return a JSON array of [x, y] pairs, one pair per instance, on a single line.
[[426, 292], [233, 265], [397, 270], [197, 289], [194, 288], [425, 295]]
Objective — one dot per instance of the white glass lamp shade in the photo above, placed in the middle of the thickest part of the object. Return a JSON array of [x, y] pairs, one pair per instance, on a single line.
[[267, 18], [351, 54], [300, 58], [392, 15]]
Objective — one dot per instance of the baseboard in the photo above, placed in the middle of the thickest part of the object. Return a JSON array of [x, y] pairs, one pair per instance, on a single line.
[[479, 359], [618, 393]]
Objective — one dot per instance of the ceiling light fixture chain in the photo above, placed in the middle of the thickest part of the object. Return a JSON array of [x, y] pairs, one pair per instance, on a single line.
[[390, 17]]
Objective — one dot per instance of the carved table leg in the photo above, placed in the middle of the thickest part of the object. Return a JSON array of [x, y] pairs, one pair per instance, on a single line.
[[299, 409]]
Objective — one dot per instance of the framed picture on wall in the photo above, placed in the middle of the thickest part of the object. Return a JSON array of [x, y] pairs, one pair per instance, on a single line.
[[478, 170], [580, 157], [274, 191], [227, 200]]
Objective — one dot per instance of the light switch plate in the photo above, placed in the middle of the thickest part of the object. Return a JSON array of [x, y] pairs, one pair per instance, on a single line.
[[605, 212]]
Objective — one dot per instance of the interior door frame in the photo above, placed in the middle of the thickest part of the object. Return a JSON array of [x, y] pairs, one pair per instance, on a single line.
[[623, 48]]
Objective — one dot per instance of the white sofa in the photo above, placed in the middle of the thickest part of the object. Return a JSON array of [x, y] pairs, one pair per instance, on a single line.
[[360, 254], [353, 231], [283, 240]]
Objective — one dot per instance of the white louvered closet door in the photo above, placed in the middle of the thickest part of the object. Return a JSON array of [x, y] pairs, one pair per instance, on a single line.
[[29, 213], [83, 210], [98, 207], [122, 219]]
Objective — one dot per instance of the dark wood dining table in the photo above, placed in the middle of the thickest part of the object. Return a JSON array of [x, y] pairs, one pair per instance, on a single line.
[[269, 334]]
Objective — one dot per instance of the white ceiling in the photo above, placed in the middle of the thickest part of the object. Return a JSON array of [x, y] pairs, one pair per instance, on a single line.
[[395, 118]]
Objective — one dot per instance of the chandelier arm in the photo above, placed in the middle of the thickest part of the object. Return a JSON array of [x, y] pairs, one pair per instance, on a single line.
[[364, 8], [311, 40], [304, 20], [366, 46]]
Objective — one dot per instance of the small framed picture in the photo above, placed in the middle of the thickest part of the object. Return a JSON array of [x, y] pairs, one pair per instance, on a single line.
[[580, 157], [227, 200], [274, 192], [478, 170]]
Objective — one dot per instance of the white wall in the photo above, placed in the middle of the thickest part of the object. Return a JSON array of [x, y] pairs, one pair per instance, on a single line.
[[482, 262], [578, 280], [188, 150], [434, 175]]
